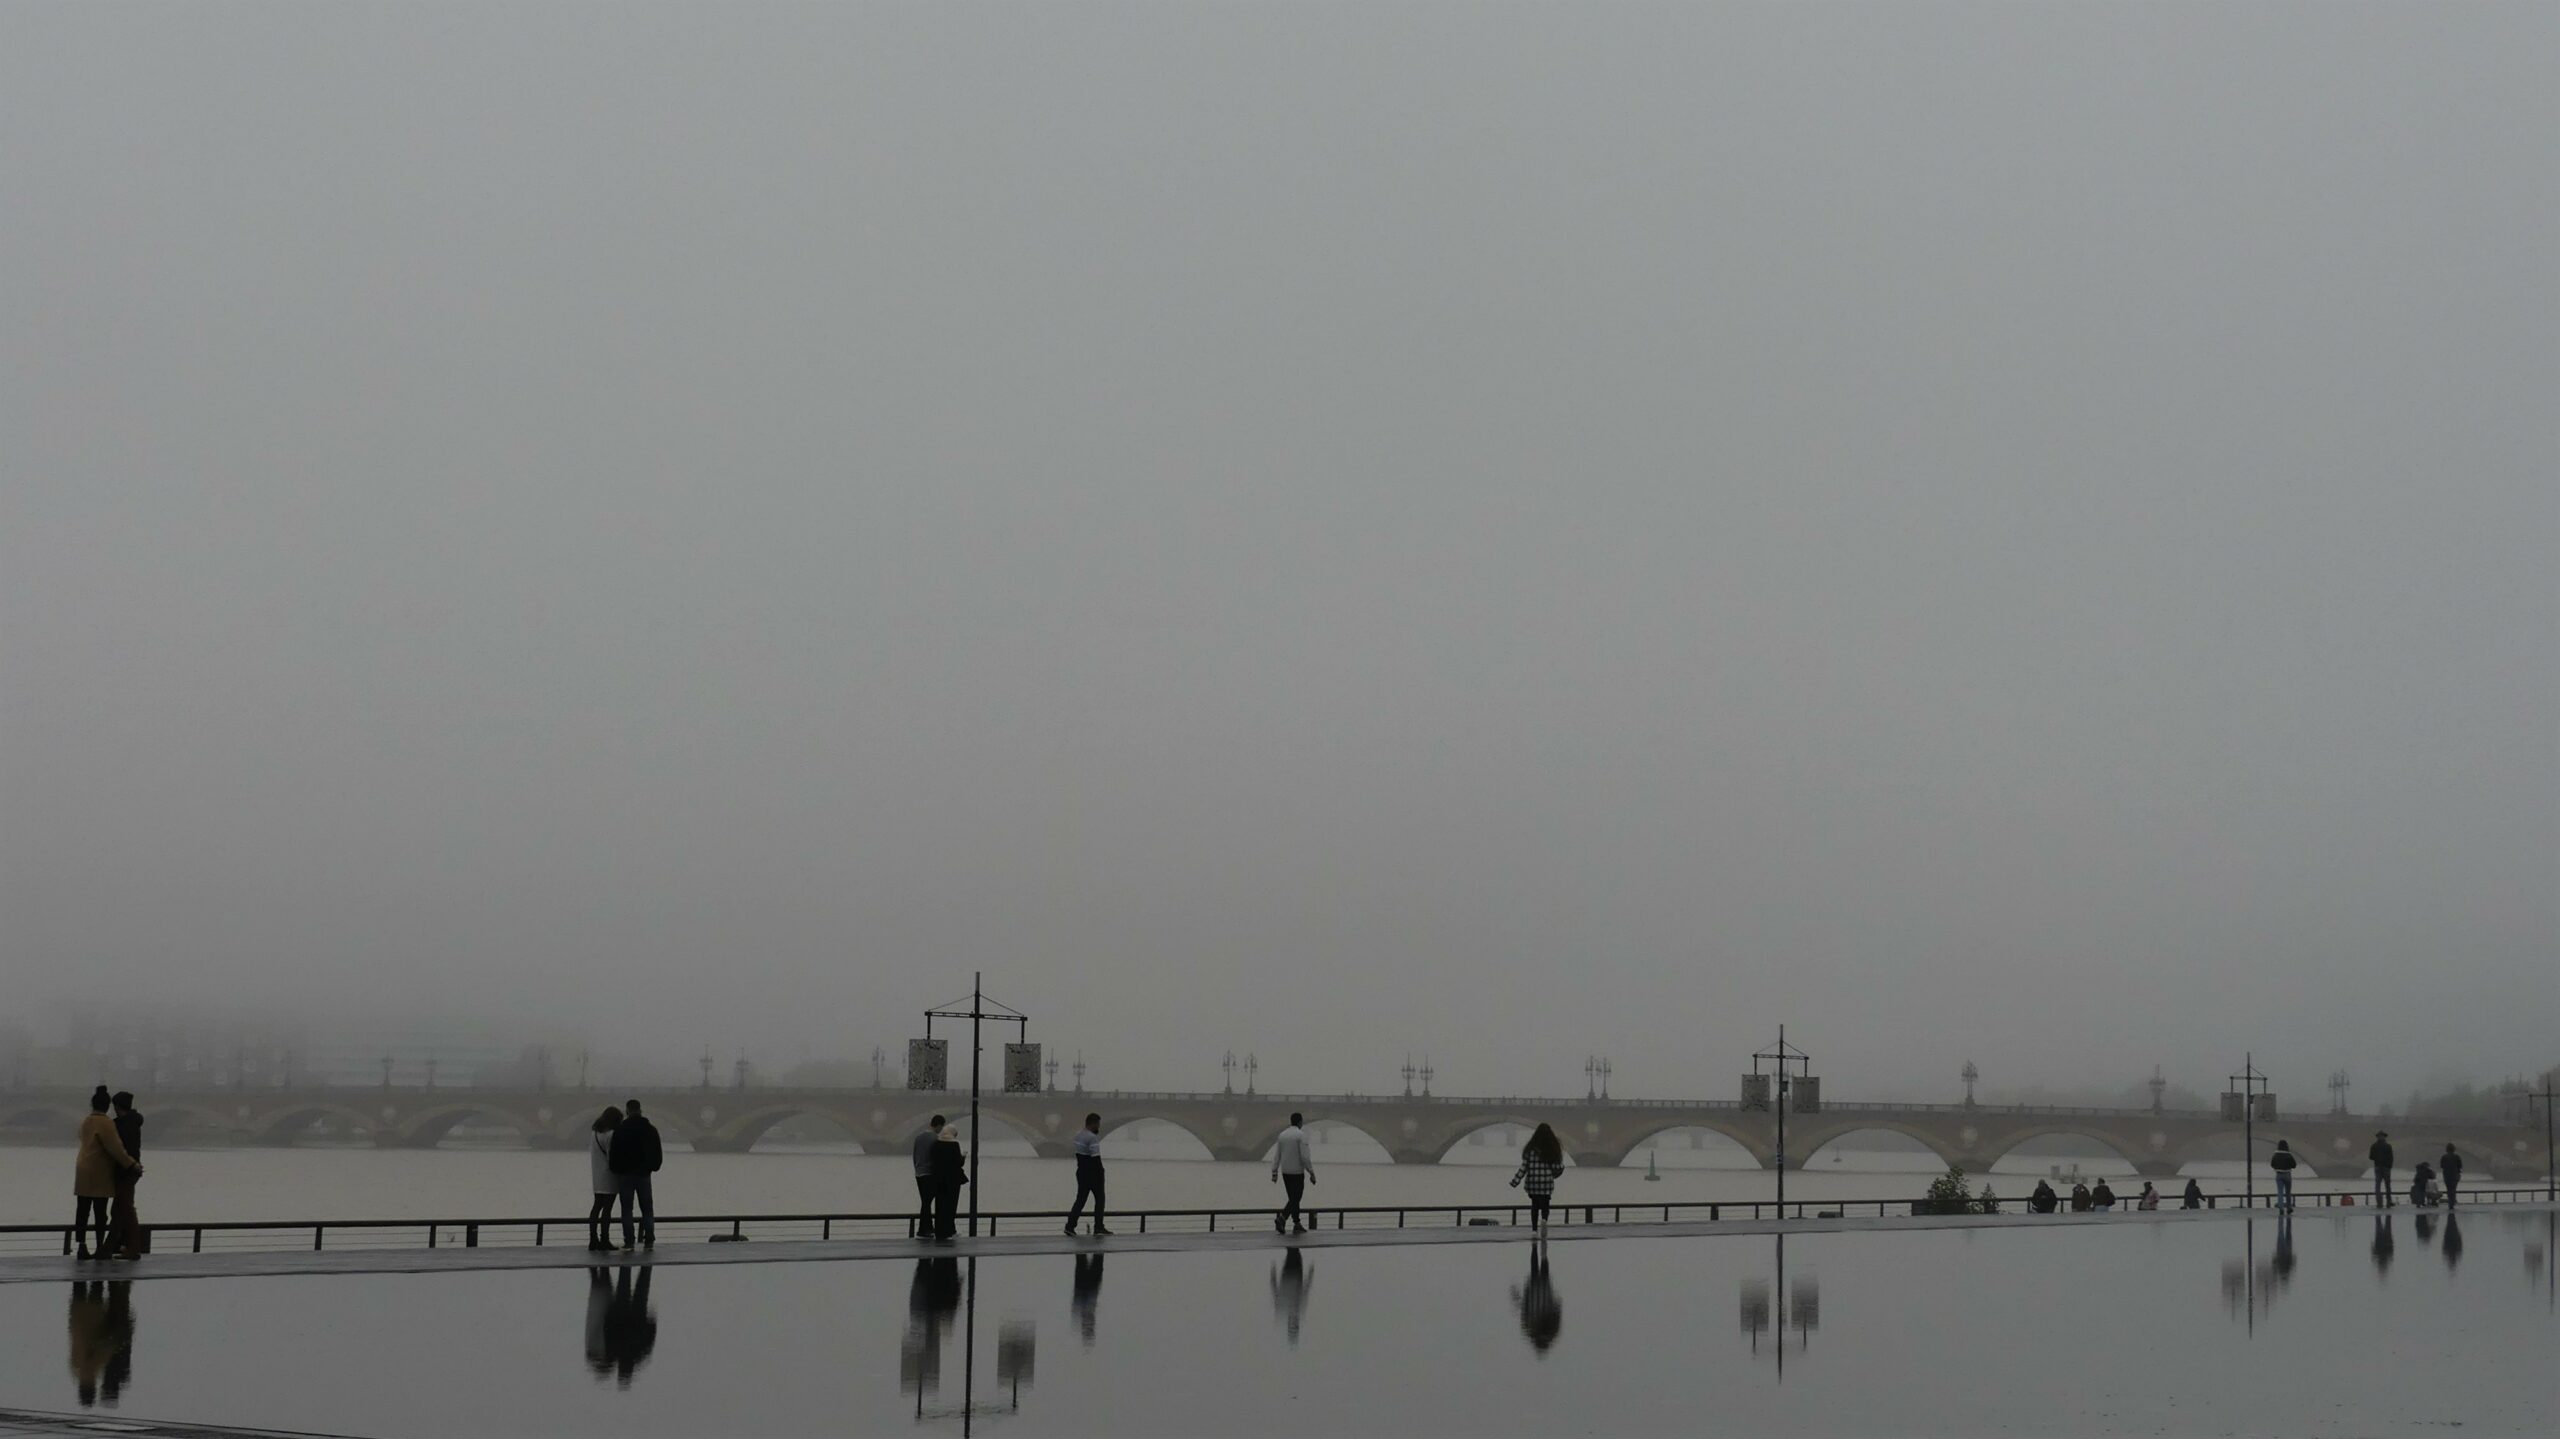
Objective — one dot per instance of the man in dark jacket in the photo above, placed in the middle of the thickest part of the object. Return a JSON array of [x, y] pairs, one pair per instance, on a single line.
[[925, 1181], [2449, 1169], [124, 1229], [634, 1155], [2380, 1154], [2283, 1162]]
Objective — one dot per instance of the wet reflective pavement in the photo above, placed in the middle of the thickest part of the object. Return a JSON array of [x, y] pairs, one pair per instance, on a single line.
[[2330, 1324]]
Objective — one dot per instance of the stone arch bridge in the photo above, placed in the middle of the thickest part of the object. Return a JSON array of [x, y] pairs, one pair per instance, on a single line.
[[1412, 1130]]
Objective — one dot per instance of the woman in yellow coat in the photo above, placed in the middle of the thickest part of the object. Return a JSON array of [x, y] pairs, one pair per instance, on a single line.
[[102, 1158]]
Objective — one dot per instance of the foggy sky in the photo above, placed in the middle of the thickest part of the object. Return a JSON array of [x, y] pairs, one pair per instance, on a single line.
[[2012, 533]]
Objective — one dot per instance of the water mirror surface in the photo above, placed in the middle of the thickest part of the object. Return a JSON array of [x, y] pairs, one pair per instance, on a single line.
[[2329, 1324]]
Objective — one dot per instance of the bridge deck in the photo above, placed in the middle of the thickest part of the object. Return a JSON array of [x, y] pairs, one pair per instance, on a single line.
[[53, 1270]]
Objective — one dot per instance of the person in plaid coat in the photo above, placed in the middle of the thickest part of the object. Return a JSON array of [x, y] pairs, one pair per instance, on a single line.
[[1541, 1161]]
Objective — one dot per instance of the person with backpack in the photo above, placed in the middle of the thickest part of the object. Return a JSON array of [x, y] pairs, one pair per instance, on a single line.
[[634, 1155]]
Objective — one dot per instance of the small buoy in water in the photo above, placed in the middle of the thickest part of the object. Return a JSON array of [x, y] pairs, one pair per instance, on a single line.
[[1652, 1166]]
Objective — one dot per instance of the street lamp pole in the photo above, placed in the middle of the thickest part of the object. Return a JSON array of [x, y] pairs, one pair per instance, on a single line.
[[1783, 1057], [977, 1014], [2248, 1082]]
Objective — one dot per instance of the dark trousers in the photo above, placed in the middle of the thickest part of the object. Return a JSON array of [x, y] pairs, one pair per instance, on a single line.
[[2382, 1184], [1088, 1182], [1538, 1208], [600, 1220], [86, 1210], [635, 1187], [1295, 1185], [2452, 1183], [923, 1227], [946, 1210], [124, 1230]]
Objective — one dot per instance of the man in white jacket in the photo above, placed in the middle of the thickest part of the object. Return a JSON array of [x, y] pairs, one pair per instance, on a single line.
[[1293, 1170]]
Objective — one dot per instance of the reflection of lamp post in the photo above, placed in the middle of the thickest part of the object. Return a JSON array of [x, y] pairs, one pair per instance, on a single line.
[[1970, 1075]]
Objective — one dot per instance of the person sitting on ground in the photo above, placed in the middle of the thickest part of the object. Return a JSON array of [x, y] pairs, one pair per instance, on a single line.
[[2044, 1199], [2079, 1197], [2422, 1185], [2102, 1198], [2194, 1198], [2149, 1199]]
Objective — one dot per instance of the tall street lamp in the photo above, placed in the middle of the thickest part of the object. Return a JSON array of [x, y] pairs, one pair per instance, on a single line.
[[977, 1014], [2247, 1094], [1789, 1066]]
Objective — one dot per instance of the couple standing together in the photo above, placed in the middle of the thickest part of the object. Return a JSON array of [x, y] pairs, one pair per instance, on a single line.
[[623, 1150], [108, 1166], [940, 1171]]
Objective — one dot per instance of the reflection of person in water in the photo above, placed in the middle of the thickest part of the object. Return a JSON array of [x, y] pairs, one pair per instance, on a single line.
[[620, 1329], [1088, 1292], [1290, 1282], [2452, 1242], [102, 1341], [2382, 1244], [933, 1305], [1541, 1313], [2282, 1265]]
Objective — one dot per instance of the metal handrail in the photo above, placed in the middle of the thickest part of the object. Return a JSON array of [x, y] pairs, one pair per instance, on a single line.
[[468, 1232]]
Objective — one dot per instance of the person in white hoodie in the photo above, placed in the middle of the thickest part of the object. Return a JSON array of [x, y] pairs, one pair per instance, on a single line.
[[1293, 1169], [600, 1177]]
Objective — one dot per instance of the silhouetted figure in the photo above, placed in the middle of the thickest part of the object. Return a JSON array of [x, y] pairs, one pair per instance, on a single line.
[[950, 1172], [100, 1160], [2452, 1241], [1088, 1174], [1293, 1168], [2450, 1167], [600, 1181], [2422, 1185], [101, 1340], [620, 1329], [2080, 1198], [2382, 1244], [2282, 1162], [634, 1155], [1088, 1292], [2102, 1198], [2380, 1155], [2194, 1196], [1541, 1165], [2043, 1200], [923, 1147], [2282, 1265], [1290, 1282], [933, 1303], [1541, 1313], [125, 1237]]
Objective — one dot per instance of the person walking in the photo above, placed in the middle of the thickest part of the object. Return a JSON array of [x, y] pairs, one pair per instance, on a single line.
[[2194, 1196], [125, 1236], [1088, 1174], [1541, 1163], [633, 1156], [2449, 1169], [2380, 1154], [923, 1147], [2282, 1162], [950, 1171], [1293, 1169], [101, 1158], [600, 1178]]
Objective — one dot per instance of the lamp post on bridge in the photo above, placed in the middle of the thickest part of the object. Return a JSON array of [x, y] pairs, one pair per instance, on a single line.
[[2544, 1097], [1970, 1075], [1251, 1065], [1078, 1067], [706, 1069], [2159, 1086], [1606, 1069], [1408, 1072], [1052, 1067], [2338, 1092], [878, 1058], [1426, 1076], [1590, 1076], [1228, 1064]]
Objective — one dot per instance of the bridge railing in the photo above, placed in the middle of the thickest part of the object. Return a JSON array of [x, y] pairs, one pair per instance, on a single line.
[[569, 1231]]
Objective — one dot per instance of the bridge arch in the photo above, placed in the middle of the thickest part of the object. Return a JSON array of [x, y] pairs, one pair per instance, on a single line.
[[1446, 1141], [33, 1116], [283, 1126], [1818, 1140], [1995, 1148], [428, 1127], [739, 1134], [1613, 1146]]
